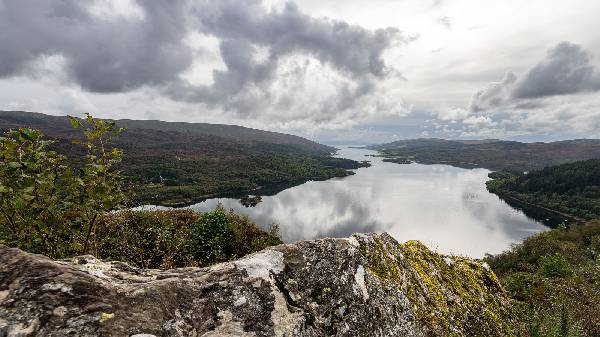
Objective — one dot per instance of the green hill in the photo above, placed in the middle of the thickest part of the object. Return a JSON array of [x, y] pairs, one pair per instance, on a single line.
[[490, 153], [572, 188], [181, 163]]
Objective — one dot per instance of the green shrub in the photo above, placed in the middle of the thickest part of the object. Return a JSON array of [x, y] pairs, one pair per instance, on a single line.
[[178, 238], [555, 279], [213, 238], [221, 236], [249, 238], [48, 207], [519, 285], [36, 191], [554, 265]]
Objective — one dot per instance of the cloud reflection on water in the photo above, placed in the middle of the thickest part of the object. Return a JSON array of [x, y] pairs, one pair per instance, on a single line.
[[445, 207]]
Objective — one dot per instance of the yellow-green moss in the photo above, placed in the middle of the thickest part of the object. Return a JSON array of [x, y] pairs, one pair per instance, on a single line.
[[444, 292], [454, 289], [105, 317], [379, 262]]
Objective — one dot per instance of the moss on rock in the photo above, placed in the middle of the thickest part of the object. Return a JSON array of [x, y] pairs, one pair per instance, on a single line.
[[444, 291]]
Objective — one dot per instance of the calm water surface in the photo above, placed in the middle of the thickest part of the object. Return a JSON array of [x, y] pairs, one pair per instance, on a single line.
[[445, 207]]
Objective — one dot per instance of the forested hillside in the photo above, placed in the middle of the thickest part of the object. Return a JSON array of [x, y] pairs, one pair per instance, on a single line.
[[572, 188], [180, 163], [554, 275], [490, 153]]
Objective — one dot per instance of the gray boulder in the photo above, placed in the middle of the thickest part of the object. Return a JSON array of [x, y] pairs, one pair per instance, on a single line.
[[366, 285]]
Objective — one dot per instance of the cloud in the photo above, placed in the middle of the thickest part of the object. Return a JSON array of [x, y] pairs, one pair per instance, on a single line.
[[447, 114], [478, 122], [556, 92], [494, 95], [567, 69], [109, 46], [102, 54], [351, 54], [437, 3], [74, 102], [445, 21], [349, 48]]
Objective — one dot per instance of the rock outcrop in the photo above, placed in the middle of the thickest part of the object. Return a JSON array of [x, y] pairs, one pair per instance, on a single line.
[[367, 285]]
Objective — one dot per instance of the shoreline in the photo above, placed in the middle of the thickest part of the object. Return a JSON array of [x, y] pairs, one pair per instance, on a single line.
[[567, 216]]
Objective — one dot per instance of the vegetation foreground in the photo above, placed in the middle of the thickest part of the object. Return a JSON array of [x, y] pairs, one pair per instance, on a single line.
[[554, 278], [51, 207]]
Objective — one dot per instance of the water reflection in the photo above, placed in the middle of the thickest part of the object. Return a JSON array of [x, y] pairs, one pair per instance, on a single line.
[[445, 207]]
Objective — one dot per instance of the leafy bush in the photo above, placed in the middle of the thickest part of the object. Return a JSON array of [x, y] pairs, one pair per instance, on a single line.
[[37, 190], [178, 238], [213, 237], [554, 265], [249, 238], [219, 236], [101, 182], [48, 207]]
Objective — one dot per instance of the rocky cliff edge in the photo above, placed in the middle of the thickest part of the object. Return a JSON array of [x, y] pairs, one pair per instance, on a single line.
[[365, 285]]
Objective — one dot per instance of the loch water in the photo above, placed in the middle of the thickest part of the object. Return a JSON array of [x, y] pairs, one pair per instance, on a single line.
[[445, 207]]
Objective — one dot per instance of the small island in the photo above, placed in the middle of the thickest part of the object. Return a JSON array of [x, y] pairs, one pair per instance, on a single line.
[[250, 201]]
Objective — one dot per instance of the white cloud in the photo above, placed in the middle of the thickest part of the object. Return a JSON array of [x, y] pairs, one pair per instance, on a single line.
[[478, 122], [554, 98], [452, 113]]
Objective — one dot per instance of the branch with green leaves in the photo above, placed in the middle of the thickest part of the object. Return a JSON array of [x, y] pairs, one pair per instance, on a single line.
[[49, 207]]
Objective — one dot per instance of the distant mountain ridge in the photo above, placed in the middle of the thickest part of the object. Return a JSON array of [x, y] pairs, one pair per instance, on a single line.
[[493, 154], [453, 142], [228, 132]]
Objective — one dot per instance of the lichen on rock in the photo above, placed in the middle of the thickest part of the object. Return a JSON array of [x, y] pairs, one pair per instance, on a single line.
[[367, 285], [451, 295]]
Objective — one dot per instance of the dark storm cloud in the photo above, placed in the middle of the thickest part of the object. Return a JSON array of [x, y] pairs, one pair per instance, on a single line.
[[351, 50], [567, 69], [114, 53], [102, 54]]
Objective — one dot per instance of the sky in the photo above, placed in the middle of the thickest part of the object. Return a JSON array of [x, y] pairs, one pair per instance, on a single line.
[[353, 71]]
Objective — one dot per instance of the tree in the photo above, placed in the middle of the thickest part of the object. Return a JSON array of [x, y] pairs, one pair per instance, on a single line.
[[46, 205], [101, 188], [213, 237], [36, 192]]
